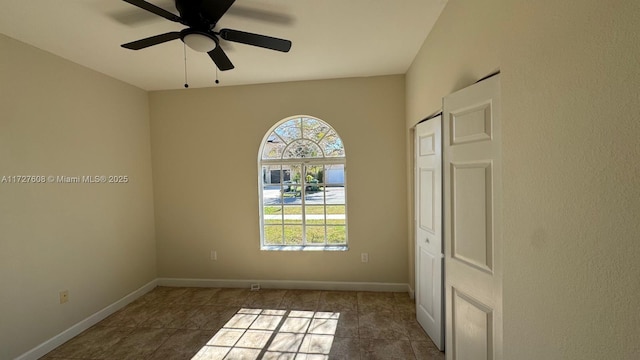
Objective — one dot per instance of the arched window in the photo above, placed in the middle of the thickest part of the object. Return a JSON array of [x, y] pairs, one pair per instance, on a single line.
[[302, 186]]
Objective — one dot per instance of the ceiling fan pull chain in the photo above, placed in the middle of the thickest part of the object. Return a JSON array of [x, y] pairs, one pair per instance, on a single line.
[[217, 81], [186, 83]]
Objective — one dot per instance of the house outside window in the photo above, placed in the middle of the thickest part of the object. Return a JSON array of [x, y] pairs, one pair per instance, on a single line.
[[302, 187]]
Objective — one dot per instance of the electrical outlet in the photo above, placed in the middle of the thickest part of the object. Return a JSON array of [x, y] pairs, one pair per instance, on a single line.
[[364, 257], [214, 255], [64, 296]]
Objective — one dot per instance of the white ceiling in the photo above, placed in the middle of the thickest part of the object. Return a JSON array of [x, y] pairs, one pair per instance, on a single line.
[[331, 39]]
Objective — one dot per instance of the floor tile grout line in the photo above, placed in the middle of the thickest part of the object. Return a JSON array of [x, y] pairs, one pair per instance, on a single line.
[[159, 346]]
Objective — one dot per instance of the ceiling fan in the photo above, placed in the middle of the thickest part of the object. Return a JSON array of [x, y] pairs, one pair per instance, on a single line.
[[200, 17]]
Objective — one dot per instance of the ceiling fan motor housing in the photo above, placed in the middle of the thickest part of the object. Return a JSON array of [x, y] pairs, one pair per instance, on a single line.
[[195, 15]]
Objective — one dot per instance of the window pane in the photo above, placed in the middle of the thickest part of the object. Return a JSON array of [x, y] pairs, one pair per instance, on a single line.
[[293, 214], [313, 129], [273, 148], [286, 174], [272, 235], [315, 234], [293, 196], [314, 210], [293, 210], [270, 174], [332, 145], [271, 178], [314, 215], [300, 149], [293, 234], [337, 234], [292, 188], [334, 174], [314, 197], [320, 174], [335, 195], [272, 214], [336, 214], [312, 173], [289, 131], [295, 173], [272, 210]]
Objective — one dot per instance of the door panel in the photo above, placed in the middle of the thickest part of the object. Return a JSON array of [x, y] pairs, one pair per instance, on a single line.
[[471, 124], [429, 262], [471, 208], [426, 178], [472, 328], [473, 221]]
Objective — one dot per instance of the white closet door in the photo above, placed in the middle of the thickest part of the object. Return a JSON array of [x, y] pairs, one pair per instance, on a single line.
[[429, 258], [473, 222]]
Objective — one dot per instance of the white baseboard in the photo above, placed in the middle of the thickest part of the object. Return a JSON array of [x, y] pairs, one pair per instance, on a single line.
[[286, 284], [412, 293], [85, 324]]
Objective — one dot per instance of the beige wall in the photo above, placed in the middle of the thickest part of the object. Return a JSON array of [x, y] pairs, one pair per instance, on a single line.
[[205, 148], [96, 240], [448, 61], [570, 97]]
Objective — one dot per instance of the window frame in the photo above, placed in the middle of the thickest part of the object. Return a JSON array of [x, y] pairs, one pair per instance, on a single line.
[[303, 162]]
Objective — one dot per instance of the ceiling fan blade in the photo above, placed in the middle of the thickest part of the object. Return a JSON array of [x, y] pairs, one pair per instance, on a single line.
[[220, 59], [260, 15], [214, 9], [153, 40], [154, 9], [264, 41]]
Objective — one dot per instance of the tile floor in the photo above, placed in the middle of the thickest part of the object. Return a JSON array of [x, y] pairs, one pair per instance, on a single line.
[[210, 323]]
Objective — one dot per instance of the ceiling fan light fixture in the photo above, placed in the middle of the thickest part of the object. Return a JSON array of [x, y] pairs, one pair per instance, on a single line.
[[200, 42]]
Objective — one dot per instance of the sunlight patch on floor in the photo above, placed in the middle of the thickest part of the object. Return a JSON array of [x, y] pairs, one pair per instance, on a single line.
[[273, 334]]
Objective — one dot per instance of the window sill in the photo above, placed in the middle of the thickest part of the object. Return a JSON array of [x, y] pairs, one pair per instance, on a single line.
[[304, 248]]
